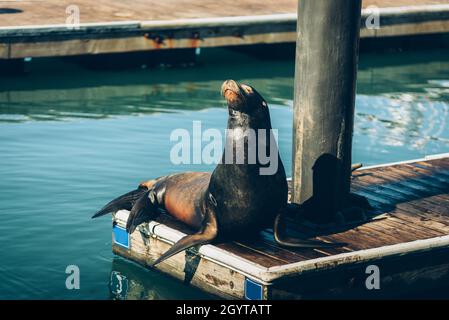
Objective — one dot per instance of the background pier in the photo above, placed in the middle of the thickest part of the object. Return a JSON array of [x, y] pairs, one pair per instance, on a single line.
[[38, 28]]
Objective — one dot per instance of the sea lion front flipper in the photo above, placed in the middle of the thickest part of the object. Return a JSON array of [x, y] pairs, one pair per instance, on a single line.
[[144, 209], [205, 235], [295, 242]]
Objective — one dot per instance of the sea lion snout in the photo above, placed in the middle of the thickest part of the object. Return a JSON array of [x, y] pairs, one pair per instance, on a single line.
[[241, 97], [231, 91], [229, 85]]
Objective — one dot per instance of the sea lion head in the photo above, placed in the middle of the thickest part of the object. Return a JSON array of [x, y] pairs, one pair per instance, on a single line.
[[242, 97]]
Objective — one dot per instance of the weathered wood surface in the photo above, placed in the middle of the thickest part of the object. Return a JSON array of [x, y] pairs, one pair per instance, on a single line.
[[40, 12], [410, 246], [54, 11], [327, 51], [38, 28]]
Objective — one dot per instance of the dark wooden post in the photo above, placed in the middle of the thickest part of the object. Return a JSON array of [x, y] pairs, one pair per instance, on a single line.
[[325, 82]]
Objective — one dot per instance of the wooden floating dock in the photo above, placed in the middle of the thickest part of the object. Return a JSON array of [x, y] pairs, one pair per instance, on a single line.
[[409, 245], [38, 28]]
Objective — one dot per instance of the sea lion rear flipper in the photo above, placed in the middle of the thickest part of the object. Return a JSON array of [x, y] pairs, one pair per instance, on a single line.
[[144, 209], [298, 243], [206, 235], [125, 201]]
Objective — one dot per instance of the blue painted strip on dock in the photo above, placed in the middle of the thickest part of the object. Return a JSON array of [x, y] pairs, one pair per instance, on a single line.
[[121, 237], [253, 290]]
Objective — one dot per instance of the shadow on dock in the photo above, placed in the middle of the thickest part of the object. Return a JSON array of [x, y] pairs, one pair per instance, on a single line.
[[10, 10]]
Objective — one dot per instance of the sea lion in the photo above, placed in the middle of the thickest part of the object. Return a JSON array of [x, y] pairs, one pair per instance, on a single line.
[[237, 198]]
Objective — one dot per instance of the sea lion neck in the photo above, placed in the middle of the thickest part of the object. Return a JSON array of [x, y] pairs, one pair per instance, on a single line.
[[258, 119], [239, 120]]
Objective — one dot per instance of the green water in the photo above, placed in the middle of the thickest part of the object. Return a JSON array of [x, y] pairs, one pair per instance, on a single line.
[[72, 139]]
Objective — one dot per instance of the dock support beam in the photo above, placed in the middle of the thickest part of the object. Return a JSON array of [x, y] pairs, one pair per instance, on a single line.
[[325, 82]]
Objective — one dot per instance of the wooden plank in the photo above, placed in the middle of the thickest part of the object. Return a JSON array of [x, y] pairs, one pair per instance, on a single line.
[[430, 169], [382, 233], [418, 208], [250, 254], [269, 251], [388, 233], [267, 243], [358, 238], [439, 163], [406, 231], [54, 11], [421, 210], [406, 185], [424, 227], [132, 44], [338, 235], [418, 191], [303, 253], [426, 181], [436, 185]]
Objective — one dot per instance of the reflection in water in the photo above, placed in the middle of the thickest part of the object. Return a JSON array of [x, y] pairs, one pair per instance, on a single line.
[[402, 101], [403, 121], [119, 286], [71, 140], [90, 94], [130, 282]]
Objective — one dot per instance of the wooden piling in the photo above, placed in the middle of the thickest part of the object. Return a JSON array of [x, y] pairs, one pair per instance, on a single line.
[[325, 79]]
